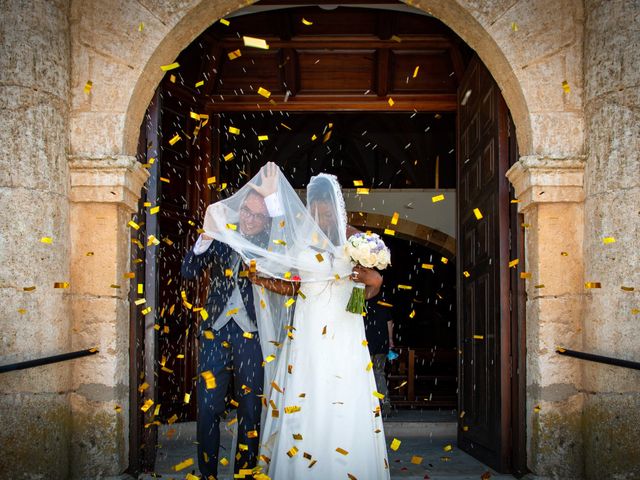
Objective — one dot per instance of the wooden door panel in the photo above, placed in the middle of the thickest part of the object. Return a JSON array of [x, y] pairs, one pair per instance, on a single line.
[[484, 320]]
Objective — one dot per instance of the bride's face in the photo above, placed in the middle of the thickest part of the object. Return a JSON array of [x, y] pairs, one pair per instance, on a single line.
[[324, 215]]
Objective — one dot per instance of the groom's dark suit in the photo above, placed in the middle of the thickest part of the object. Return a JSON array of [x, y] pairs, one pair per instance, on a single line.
[[232, 351]]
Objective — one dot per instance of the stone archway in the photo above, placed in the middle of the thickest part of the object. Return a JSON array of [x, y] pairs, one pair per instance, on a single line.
[[124, 65]]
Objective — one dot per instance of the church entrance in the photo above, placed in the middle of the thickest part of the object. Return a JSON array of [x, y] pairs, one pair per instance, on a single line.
[[404, 113]]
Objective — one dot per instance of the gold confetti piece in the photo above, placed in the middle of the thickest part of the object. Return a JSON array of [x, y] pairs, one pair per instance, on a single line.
[[152, 240], [225, 22], [561, 349], [396, 38], [235, 54], [593, 285], [270, 359], [140, 301], [264, 92], [129, 275], [415, 71], [204, 314], [369, 367], [255, 42], [172, 78], [427, 266], [146, 405], [117, 408], [388, 231], [263, 138], [200, 83], [514, 26], [342, 451], [607, 240], [306, 22], [22, 311], [514, 262], [565, 87], [319, 258], [514, 201], [154, 210], [279, 242], [539, 286], [232, 226], [394, 219], [395, 444], [477, 213], [635, 311], [391, 102], [412, 314], [233, 311], [324, 330], [289, 302], [536, 409], [191, 476], [90, 254], [234, 130], [357, 183], [292, 452], [297, 436], [61, 285], [447, 448], [171, 66], [351, 477], [224, 462], [48, 240], [209, 379], [525, 275], [133, 224], [248, 335], [378, 395], [182, 465], [252, 434], [176, 138], [437, 198], [364, 343], [627, 289], [362, 191], [478, 337], [292, 409], [444, 260], [416, 460], [187, 397], [146, 311], [156, 410], [276, 387], [211, 180], [466, 274], [87, 86], [143, 387], [313, 137], [405, 287], [564, 254]]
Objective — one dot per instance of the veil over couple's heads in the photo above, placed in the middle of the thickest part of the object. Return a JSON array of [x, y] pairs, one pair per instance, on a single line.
[[277, 232]]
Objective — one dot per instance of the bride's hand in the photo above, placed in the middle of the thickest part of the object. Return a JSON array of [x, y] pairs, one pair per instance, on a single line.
[[269, 180]]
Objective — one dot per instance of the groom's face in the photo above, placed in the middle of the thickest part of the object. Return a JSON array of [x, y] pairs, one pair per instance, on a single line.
[[254, 216]]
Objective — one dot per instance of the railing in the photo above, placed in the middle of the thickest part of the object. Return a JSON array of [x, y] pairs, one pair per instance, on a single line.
[[47, 360], [599, 358]]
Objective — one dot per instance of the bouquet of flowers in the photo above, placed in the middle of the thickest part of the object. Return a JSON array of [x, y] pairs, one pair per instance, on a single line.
[[368, 250]]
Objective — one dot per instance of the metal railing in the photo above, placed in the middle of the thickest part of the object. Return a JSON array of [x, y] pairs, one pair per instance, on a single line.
[[598, 358], [47, 360]]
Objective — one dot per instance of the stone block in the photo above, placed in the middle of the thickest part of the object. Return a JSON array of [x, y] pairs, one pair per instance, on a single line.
[[96, 134], [558, 134]]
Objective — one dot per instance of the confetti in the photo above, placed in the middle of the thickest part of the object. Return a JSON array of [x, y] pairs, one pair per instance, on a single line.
[[396, 38], [478, 337], [412, 314], [394, 219], [437, 198], [176, 138], [447, 448], [172, 78], [306, 22], [369, 367], [466, 274], [187, 397], [593, 285], [61, 285], [292, 452], [140, 26], [48, 240], [525, 275], [232, 226], [514, 262], [627, 289], [416, 460], [378, 395], [319, 258], [276, 387], [225, 22], [444, 260], [87, 86], [133, 224], [292, 409], [182, 465], [263, 138], [224, 462], [565, 87], [211, 180], [255, 42], [391, 102], [514, 26], [204, 314], [234, 130], [209, 379], [415, 71], [248, 335], [171, 66], [229, 156], [564, 254], [395, 444], [154, 210], [607, 240], [264, 92], [357, 183], [289, 302], [146, 405], [342, 451], [235, 54], [427, 266], [362, 191], [477, 213], [405, 287]]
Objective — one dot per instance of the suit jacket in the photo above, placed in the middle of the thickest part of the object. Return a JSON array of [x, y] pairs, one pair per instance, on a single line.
[[218, 257]]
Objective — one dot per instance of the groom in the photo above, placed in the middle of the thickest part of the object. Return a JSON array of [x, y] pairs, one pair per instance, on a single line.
[[228, 339]]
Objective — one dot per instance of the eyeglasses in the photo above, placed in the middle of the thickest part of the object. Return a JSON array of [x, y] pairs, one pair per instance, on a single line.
[[248, 214]]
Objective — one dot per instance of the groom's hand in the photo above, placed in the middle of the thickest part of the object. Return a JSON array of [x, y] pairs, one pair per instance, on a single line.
[[269, 180]]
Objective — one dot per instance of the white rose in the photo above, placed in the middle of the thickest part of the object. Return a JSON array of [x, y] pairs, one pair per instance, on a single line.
[[384, 258]]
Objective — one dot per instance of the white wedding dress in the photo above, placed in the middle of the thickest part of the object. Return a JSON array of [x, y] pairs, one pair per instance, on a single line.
[[328, 423]]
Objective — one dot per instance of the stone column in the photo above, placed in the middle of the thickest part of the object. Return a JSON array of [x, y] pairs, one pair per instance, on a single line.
[[551, 198], [34, 238], [104, 194], [612, 209]]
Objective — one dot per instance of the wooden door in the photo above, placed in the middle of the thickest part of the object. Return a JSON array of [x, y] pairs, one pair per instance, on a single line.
[[483, 252]]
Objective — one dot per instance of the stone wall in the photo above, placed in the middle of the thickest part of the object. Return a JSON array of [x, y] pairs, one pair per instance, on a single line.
[[34, 125], [612, 209]]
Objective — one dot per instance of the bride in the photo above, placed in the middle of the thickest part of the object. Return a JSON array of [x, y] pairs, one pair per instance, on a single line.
[[321, 415]]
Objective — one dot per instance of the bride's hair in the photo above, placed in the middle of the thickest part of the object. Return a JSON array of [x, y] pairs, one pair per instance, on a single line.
[[322, 190]]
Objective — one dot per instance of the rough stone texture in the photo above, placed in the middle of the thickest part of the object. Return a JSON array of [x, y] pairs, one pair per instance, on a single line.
[[34, 93], [612, 209]]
